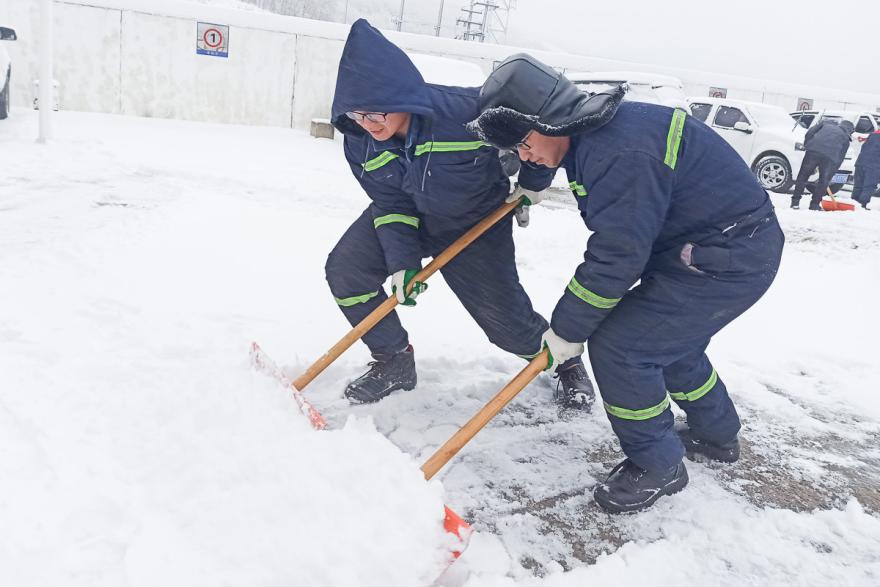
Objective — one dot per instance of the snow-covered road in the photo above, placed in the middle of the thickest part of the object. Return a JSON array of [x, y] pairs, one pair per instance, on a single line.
[[139, 257]]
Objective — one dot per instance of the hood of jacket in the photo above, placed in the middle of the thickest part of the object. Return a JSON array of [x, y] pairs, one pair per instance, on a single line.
[[375, 75]]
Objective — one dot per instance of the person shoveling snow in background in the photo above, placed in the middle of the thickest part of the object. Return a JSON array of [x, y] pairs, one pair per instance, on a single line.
[[867, 174], [826, 144], [429, 180], [669, 203]]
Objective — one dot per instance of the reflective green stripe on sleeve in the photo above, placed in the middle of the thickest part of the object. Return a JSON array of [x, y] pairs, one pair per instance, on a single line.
[[379, 161], [577, 188], [346, 302], [590, 297], [645, 414], [699, 392], [430, 147], [389, 218], [673, 138], [448, 146]]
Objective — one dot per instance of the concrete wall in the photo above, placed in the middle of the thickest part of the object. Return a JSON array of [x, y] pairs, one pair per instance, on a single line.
[[138, 57]]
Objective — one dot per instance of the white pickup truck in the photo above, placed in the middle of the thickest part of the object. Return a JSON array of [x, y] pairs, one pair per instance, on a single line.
[[767, 139]]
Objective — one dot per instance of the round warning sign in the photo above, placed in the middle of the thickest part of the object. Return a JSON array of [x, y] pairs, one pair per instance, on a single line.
[[212, 39]]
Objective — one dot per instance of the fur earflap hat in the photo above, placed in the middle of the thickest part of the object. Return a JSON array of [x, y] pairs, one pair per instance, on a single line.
[[523, 94]]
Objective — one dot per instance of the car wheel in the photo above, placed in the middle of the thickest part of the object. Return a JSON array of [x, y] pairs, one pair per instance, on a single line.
[[4, 98], [774, 173]]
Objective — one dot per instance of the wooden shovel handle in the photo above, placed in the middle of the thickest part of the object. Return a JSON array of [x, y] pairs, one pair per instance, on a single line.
[[388, 305], [481, 418]]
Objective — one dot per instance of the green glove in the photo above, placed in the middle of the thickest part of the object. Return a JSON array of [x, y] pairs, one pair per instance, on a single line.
[[400, 282]]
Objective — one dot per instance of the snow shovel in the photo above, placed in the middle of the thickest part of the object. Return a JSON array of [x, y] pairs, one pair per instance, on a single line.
[[388, 305], [834, 205], [452, 522]]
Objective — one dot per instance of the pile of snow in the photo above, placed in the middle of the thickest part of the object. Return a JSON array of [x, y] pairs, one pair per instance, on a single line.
[[137, 447]]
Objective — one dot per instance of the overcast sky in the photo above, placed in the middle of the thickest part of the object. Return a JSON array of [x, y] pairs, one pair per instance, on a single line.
[[831, 44]]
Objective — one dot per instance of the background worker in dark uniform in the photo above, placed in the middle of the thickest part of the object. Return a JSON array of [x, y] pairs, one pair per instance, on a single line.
[[671, 204], [429, 180], [867, 174], [826, 143]]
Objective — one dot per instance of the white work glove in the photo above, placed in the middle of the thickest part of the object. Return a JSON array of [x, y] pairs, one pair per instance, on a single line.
[[531, 197], [560, 350], [521, 213], [401, 279]]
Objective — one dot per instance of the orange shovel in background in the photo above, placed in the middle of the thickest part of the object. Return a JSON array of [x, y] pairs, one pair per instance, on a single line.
[[834, 205]]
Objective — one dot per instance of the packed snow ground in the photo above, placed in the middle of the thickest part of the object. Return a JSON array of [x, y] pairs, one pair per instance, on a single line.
[[139, 257]]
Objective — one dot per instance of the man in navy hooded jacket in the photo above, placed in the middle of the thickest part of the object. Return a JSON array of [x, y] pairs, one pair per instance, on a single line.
[[429, 180], [672, 206]]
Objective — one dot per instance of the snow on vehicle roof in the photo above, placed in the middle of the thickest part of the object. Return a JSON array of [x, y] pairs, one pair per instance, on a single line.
[[448, 72], [632, 77]]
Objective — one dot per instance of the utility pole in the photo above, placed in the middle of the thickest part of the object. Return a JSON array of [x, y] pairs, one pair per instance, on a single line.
[[485, 19], [46, 97], [400, 17], [439, 20]]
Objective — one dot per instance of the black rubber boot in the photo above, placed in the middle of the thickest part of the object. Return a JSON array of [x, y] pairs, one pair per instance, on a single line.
[[796, 203], [387, 373], [697, 448], [629, 488], [574, 390]]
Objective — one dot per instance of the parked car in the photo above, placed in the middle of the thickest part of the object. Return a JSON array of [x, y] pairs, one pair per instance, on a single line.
[[6, 34], [643, 87], [767, 139]]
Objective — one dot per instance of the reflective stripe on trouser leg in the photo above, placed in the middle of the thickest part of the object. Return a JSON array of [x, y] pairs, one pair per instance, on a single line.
[[636, 404], [355, 271], [698, 390]]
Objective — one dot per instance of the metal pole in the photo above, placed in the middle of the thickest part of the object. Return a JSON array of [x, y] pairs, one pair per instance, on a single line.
[[485, 21], [400, 18], [45, 97], [439, 20]]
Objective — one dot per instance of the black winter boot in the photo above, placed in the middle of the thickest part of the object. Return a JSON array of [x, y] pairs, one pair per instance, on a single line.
[[388, 372], [573, 386], [796, 203], [629, 488], [696, 447]]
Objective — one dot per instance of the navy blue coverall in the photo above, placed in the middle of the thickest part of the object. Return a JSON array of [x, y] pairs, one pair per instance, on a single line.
[[867, 172], [426, 191], [673, 206]]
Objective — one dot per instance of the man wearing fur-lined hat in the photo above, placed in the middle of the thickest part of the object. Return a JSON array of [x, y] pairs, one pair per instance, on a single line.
[[671, 207]]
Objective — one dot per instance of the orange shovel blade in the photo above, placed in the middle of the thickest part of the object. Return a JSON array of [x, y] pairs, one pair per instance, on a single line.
[[454, 524], [836, 206]]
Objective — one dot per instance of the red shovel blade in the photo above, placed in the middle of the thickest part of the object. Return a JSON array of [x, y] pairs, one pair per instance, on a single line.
[[454, 524], [263, 363], [836, 206]]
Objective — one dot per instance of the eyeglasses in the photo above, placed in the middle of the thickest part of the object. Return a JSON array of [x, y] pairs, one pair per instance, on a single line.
[[371, 116], [523, 144]]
